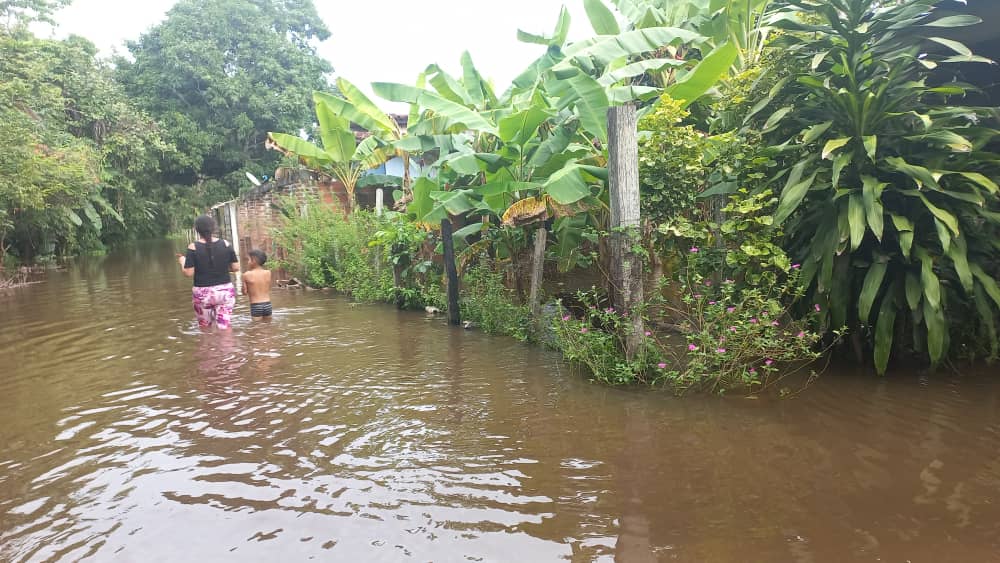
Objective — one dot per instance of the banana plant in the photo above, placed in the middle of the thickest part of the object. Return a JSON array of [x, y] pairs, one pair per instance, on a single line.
[[354, 106], [341, 156], [496, 157], [889, 199]]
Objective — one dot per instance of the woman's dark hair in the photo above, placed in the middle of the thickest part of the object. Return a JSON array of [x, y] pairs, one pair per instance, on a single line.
[[205, 227], [258, 256]]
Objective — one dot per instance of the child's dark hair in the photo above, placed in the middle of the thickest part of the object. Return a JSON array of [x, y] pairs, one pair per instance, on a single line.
[[258, 256]]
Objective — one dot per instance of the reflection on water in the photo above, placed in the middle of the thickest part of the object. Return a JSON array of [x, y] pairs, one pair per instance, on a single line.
[[345, 432]]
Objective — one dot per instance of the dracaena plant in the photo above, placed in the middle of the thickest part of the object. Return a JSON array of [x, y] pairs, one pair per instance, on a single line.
[[887, 193]]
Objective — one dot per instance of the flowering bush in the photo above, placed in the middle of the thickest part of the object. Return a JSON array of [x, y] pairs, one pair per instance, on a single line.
[[738, 336], [738, 291], [596, 342]]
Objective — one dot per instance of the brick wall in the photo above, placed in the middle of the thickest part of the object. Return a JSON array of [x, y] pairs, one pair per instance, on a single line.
[[258, 216]]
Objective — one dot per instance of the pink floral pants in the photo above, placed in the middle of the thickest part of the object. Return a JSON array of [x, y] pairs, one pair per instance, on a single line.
[[214, 305]]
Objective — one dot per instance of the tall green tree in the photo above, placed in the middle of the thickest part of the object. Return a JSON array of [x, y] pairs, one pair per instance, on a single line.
[[218, 75], [15, 13], [77, 155]]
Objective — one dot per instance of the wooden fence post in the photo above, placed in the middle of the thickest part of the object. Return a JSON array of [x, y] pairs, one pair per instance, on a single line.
[[454, 315], [537, 273], [623, 180]]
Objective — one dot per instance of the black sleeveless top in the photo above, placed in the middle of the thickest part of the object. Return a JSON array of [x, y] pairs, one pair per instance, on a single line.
[[210, 262]]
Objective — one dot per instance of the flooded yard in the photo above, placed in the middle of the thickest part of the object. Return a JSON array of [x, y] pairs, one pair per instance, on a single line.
[[343, 432]]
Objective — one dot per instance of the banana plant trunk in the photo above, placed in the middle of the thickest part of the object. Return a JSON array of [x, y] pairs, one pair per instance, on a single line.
[[626, 264]]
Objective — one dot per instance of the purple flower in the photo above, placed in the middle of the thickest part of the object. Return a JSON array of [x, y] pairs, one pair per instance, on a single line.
[[711, 302], [732, 329], [609, 310], [768, 362], [697, 296], [796, 266], [801, 334], [708, 283], [753, 371], [817, 307], [583, 330], [692, 348], [661, 365], [753, 321], [566, 318], [775, 323], [720, 350], [763, 313], [649, 333], [731, 309], [694, 250]]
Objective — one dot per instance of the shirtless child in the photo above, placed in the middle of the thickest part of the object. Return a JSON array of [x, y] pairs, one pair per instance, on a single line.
[[257, 285]]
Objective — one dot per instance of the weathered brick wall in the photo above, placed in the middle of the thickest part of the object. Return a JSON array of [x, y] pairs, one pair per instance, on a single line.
[[258, 216]]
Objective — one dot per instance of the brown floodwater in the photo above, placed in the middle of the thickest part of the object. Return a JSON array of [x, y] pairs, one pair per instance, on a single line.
[[343, 432]]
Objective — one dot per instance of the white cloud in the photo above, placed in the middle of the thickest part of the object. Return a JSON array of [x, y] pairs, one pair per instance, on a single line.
[[109, 23], [372, 40], [394, 41]]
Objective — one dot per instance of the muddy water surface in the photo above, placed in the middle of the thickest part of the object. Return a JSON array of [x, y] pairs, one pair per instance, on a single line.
[[359, 433]]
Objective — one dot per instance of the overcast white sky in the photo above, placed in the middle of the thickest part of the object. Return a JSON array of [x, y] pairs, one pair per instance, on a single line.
[[373, 40]]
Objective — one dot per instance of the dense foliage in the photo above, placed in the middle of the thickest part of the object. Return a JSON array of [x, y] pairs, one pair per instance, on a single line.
[[79, 155], [97, 155], [772, 129], [218, 75], [887, 196], [672, 163]]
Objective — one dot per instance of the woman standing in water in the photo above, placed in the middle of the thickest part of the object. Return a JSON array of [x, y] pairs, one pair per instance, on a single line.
[[209, 261]]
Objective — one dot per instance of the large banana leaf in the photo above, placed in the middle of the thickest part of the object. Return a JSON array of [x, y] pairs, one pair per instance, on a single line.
[[567, 186], [369, 154], [422, 204], [455, 116], [637, 69], [554, 144], [559, 34], [480, 91], [578, 90], [449, 88], [520, 127], [99, 200], [364, 106], [705, 75], [601, 18], [335, 131], [602, 50], [93, 216], [308, 153]]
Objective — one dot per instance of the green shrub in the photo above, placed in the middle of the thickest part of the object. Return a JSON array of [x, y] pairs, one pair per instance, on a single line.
[[738, 336], [402, 244], [672, 169], [597, 341], [356, 254], [326, 249], [740, 311], [488, 303], [889, 194]]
